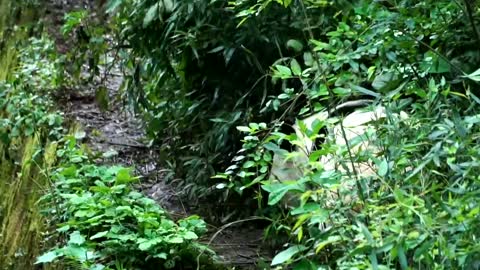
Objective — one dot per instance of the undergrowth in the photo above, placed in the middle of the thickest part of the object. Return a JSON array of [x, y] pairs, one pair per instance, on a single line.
[[220, 85], [105, 224], [198, 69], [95, 217]]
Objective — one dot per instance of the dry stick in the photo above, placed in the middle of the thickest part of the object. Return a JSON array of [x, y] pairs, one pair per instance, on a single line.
[[223, 228]]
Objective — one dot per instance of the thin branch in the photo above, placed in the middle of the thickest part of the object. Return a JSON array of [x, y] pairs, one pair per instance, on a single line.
[[223, 228]]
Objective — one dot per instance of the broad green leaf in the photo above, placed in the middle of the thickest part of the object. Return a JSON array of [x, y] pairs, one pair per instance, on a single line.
[[319, 46], [161, 255], [383, 168], [146, 244], [190, 236], [278, 190], [294, 44], [248, 164], [123, 176], [99, 235], [168, 5], [79, 253], [175, 240], [386, 82], [243, 129], [307, 208], [287, 254], [48, 257], [76, 238], [283, 71], [64, 228], [326, 178], [97, 267], [295, 67]]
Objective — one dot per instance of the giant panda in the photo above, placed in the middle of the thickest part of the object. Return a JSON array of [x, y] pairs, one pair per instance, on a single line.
[[355, 118]]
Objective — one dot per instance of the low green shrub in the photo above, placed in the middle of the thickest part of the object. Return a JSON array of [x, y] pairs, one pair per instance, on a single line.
[[420, 208], [107, 224]]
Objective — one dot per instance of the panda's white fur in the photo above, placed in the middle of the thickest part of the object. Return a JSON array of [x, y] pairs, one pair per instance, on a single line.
[[356, 124]]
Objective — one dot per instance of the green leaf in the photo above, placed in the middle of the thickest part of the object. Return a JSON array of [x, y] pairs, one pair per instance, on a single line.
[[99, 235], [364, 91], [283, 71], [294, 44], [295, 67], [79, 253], [190, 236], [278, 190], [64, 228], [80, 134], [474, 76], [383, 168], [168, 5], [285, 3], [97, 267], [161, 255], [307, 208], [113, 4], [320, 45], [175, 240], [48, 257], [76, 238], [386, 82], [243, 129], [146, 244], [287, 254], [123, 176], [330, 240], [248, 164], [151, 15]]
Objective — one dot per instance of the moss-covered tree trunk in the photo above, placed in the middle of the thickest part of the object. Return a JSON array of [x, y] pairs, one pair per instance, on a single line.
[[22, 180]]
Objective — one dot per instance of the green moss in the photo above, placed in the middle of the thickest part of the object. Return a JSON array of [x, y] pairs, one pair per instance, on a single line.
[[22, 181], [21, 223]]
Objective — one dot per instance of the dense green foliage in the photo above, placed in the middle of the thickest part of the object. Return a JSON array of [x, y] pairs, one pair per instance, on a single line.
[[98, 220], [195, 76], [199, 68], [108, 224], [220, 85]]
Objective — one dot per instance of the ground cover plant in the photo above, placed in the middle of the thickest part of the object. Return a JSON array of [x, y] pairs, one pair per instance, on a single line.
[[94, 217], [106, 224]]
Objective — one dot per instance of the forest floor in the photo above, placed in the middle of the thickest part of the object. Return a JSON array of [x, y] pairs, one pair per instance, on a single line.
[[119, 134]]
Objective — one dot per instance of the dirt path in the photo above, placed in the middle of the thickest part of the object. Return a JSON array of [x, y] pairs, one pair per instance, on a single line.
[[119, 135]]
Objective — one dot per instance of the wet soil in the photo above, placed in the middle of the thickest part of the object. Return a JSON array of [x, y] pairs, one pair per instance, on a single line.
[[118, 136]]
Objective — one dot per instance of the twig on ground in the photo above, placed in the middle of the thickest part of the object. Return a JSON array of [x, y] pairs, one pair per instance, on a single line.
[[223, 228]]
